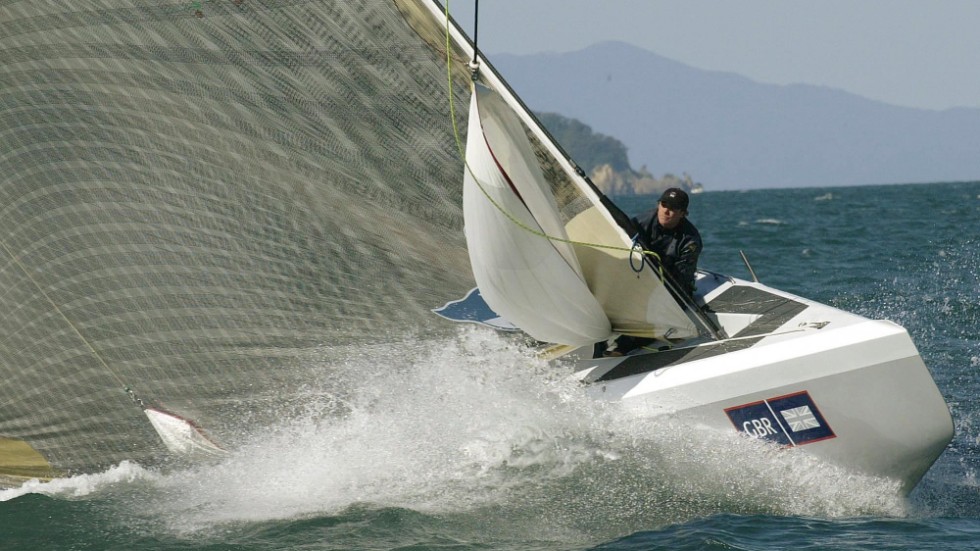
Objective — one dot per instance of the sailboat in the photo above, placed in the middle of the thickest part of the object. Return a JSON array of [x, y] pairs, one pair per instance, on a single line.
[[559, 262], [200, 200]]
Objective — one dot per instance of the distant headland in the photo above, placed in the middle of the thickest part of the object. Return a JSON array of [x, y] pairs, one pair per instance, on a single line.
[[605, 160]]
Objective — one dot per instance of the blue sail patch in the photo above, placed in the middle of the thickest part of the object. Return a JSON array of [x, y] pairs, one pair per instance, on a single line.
[[473, 309], [790, 420]]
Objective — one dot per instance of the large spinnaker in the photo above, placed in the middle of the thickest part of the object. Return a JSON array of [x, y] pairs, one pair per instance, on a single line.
[[521, 258], [224, 202], [220, 201]]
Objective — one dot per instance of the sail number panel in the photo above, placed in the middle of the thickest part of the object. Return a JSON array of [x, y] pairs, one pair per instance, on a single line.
[[789, 420]]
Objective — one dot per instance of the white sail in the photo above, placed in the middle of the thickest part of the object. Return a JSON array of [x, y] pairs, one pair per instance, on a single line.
[[566, 278], [531, 280], [181, 436]]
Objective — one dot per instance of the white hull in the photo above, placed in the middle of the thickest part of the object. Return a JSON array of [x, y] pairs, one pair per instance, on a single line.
[[846, 389]]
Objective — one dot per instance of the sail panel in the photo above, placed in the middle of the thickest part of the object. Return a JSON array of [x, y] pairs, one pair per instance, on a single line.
[[515, 237], [513, 153]]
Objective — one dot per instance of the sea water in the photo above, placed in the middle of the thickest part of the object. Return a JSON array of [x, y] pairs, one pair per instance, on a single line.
[[470, 443]]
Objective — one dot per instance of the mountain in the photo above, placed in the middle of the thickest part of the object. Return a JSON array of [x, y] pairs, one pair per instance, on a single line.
[[734, 133]]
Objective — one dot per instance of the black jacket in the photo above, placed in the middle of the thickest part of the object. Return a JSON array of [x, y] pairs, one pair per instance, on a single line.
[[678, 248]]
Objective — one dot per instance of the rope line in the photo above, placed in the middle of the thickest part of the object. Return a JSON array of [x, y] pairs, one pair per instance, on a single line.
[[74, 328], [474, 65]]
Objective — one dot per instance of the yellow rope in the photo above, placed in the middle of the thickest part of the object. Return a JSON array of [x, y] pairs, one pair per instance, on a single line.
[[511, 217], [74, 328]]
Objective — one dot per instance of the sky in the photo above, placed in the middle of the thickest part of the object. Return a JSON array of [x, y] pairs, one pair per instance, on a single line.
[[913, 53]]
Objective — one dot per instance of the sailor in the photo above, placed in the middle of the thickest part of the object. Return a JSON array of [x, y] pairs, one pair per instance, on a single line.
[[666, 231]]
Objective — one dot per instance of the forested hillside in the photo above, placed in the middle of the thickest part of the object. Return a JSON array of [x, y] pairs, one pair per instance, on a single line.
[[605, 159]]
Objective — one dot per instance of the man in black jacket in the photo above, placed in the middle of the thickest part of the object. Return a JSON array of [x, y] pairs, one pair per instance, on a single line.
[[666, 231]]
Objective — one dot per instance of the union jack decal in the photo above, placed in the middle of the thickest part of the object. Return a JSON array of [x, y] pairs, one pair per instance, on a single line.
[[800, 418]]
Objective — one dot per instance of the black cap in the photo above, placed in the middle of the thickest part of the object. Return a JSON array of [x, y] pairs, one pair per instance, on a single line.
[[675, 199]]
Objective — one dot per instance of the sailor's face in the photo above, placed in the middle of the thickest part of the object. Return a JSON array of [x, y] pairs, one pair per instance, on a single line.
[[668, 217]]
